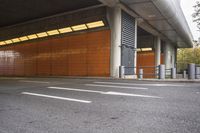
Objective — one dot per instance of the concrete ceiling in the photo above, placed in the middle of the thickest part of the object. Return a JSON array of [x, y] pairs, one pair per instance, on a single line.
[[162, 18], [18, 11]]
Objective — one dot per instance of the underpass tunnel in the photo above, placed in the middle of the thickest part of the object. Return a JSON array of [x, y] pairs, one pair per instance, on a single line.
[[93, 38]]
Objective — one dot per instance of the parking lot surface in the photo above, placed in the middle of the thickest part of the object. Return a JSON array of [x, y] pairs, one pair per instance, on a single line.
[[74, 105]]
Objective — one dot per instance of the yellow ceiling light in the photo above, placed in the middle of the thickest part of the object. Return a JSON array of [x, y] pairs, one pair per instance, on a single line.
[[95, 24], [15, 40], [53, 32], [139, 50], [24, 38], [33, 36], [43, 34], [65, 30], [146, 49], [79, 27], [2, 43], [8, 41]]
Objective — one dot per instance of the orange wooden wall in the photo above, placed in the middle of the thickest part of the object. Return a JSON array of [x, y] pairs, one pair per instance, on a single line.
[[147, 59], [85, 54]]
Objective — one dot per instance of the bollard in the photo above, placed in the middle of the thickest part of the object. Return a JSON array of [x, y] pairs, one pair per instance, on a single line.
[[122, 72], [184, 74], [191, 71], [140, 74], [197, 73], [162, 72], [173, 73]]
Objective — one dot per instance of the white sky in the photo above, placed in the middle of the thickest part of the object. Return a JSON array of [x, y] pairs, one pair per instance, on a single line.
[[188, 9]]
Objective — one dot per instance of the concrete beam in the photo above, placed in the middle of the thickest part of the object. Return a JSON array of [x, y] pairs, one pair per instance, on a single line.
[[109, 3]]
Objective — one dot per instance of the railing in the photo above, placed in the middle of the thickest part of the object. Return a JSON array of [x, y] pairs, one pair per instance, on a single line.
[[139, 71]]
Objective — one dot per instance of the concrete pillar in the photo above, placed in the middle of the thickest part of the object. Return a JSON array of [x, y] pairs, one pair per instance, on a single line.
[[114, 18], [191, 71], [122, 72], [162, 72], [169, 55], [157, 46], [197, 72], [184, 75], [173, 73], [140, 75]]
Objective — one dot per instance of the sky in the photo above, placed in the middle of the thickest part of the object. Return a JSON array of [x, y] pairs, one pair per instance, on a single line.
[[188, 9]]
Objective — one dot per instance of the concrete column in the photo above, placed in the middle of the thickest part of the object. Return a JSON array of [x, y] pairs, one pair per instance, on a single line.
[[191, 71], [114, 18], [157, 46], [169, 55], [162, 72]]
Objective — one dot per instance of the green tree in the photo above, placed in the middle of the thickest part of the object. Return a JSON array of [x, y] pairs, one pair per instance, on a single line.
[[186, 56], [196, 14]]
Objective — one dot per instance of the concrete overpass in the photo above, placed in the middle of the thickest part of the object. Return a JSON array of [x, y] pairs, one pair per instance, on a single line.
[[93, 38]]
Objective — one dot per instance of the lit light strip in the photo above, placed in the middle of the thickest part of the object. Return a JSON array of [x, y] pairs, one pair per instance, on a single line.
[[65, 30], [53, 32], [24, 38], [79, 27], [43, 34], [34, 36], [15, 40], [2, 43], [95, 24], [8, 41], [146, 49]]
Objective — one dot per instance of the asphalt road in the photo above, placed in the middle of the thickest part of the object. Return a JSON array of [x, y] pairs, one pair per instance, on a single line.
[[60, 105]]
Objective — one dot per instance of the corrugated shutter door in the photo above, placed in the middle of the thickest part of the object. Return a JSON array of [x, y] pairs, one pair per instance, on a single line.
[[128, 42]]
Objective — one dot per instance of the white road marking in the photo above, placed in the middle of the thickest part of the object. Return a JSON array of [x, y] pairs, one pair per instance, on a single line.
[[73, 89], [32, 81], [133, 95], [121, 87], [117, 83], [105, 93], [56, 97]]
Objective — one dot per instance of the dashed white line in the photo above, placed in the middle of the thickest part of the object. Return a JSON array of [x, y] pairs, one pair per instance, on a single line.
[[112, 86], [117, 83], [105, 93], [56, 97]]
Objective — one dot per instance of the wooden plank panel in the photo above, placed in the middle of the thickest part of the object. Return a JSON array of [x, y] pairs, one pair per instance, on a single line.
[[44, 58], [86, 54], [19, 60], [59, 57], [30, 59]]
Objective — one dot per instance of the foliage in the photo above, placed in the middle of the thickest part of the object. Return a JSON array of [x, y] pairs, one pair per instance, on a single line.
[[186, 56], [196, 14]]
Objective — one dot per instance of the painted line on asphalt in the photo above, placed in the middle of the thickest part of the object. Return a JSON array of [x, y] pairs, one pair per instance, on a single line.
[[112, 86], [56, 97], [32, 81], [104, 93], [117, 83]]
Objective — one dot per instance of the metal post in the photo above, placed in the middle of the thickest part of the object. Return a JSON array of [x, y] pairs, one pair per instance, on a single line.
[[162, 72], [173, 73], [140, 74], [184, 74], [122, 71], [197, 73], [191, 71]]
